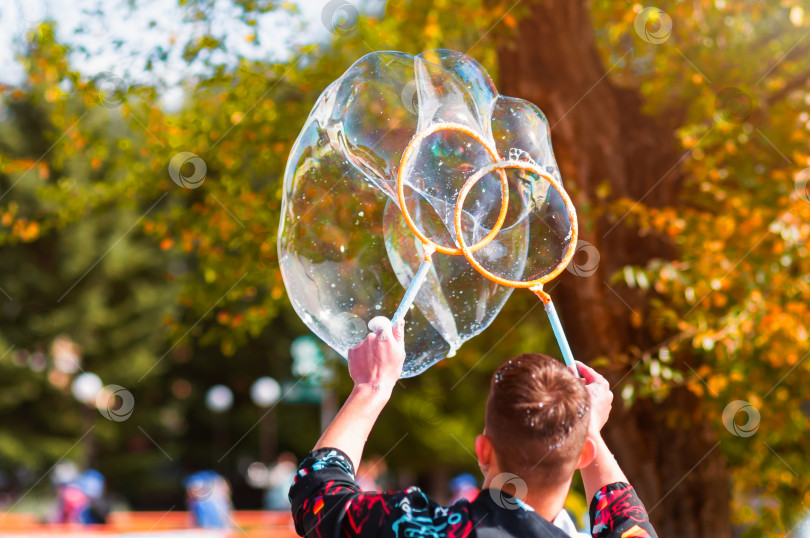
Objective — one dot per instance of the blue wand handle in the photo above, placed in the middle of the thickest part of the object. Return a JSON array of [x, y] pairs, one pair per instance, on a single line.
[[413, 289], [556, 326]]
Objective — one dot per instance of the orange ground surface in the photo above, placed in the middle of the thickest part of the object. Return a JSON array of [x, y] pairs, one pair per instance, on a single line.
[[252, 524]]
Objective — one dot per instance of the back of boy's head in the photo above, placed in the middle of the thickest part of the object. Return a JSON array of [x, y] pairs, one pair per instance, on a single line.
[[537, 419]]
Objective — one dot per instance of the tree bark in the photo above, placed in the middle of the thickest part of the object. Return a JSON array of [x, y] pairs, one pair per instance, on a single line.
[[669, 452]]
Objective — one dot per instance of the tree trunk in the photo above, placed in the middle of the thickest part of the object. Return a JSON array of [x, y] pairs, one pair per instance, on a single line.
[[668, 451]]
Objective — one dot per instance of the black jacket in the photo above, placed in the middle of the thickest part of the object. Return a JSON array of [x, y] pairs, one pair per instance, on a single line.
[[326, 502]]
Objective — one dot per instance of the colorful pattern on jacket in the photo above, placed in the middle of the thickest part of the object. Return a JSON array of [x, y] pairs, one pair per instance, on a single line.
[[327, 503], [617, 511]]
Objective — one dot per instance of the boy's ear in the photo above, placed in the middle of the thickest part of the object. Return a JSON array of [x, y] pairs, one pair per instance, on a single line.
[[484, 452], [588, 453]]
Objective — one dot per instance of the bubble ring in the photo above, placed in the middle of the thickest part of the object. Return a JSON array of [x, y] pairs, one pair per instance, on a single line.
[[406, 156], [468, 251]]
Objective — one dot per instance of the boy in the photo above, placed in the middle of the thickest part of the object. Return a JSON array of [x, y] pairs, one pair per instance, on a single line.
[[541, 424]]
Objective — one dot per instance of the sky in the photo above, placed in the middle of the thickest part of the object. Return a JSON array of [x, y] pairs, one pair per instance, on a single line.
[[113, 36]]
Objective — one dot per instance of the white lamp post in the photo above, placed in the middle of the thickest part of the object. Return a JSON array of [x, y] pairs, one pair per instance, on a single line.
[[86, 388], [219, 399], [265, 392]]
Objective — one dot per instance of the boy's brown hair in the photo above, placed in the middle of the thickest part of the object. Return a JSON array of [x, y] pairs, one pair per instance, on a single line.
[[537, 419]]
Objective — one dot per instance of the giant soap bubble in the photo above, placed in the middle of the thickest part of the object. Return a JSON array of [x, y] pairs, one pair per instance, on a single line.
[[346, 251]]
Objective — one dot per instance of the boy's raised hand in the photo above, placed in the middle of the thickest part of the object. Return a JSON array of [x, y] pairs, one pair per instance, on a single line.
[[377, 361], [601, 398], [375, 366]]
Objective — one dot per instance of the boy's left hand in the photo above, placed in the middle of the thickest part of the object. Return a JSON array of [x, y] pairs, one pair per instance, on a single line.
[[601, 397]]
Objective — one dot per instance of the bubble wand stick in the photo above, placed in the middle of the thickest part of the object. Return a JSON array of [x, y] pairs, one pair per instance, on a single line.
[[428, 245], [535, 285], [413, 288]]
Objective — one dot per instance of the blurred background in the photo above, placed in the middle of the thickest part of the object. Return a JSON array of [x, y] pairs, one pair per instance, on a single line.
[[144, 327]]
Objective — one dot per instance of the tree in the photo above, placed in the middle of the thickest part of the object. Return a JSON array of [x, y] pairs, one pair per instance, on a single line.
[[659, 160], [99, 281]]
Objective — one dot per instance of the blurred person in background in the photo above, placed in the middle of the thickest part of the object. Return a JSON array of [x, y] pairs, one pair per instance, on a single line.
[[279, 481], [464, 487], [62, 475], [80, 498], [370, 474], [97, 506], [209, 500]]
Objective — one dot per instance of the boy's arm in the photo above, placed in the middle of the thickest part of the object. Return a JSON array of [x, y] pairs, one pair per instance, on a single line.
[[351, 427], [604, 469], [615, 509], [375, 366], [325, 497], [324, 487]]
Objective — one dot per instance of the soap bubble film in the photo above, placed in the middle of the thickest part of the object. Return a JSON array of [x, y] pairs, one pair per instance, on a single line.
[[345, 251], [539, 233]]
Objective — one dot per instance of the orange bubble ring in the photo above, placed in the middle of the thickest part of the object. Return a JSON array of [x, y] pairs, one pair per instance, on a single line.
[[537, 284], [406, 156]]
